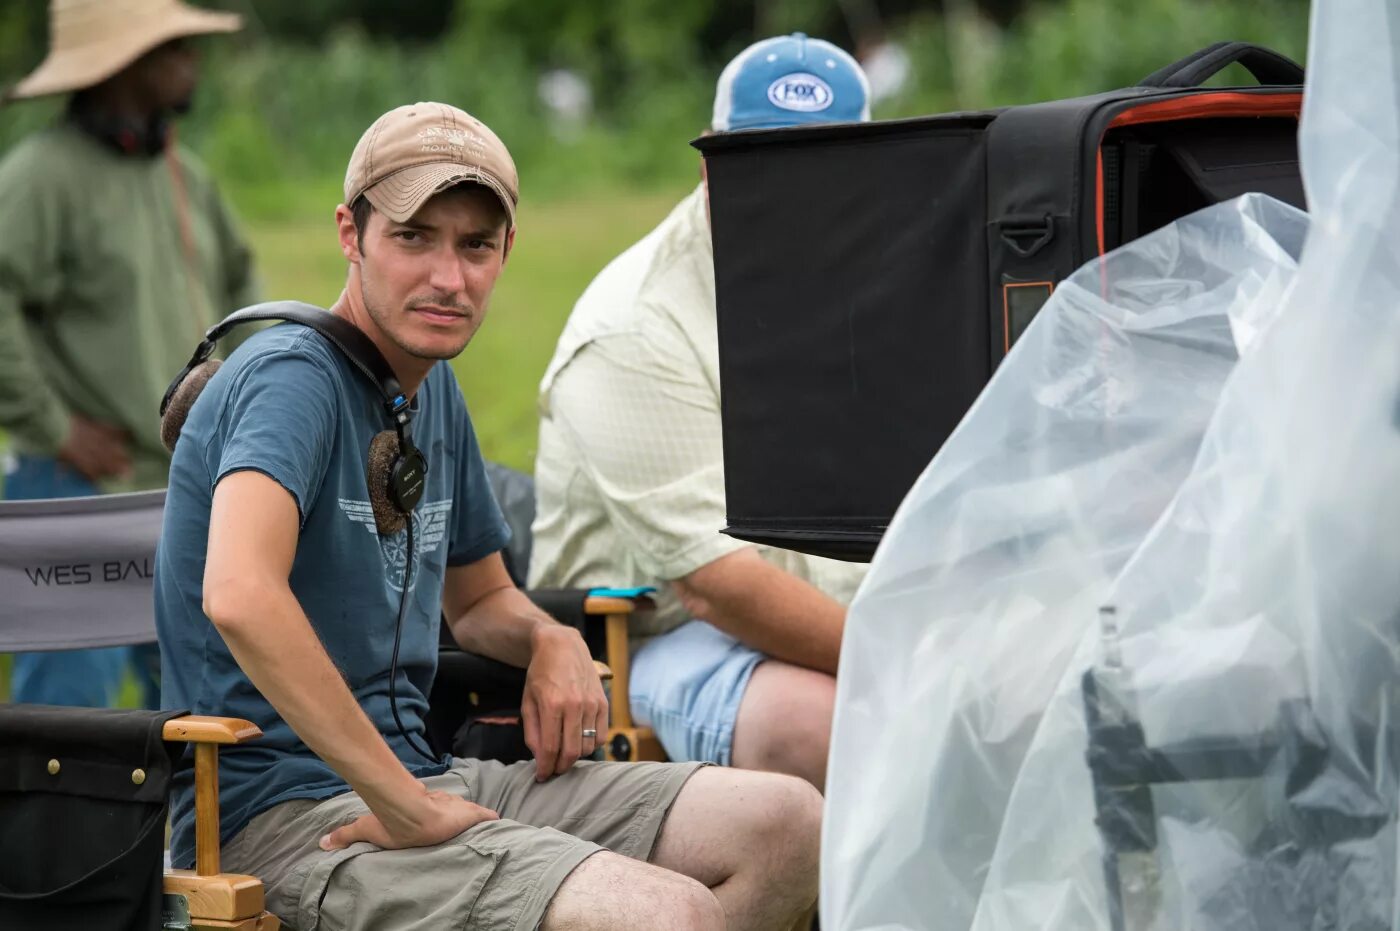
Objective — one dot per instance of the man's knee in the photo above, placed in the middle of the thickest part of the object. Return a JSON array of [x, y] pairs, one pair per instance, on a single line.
[[751, 837], [697, 909], [777, 825], [784, 722], [802, 748], [783, 839], [608, 892], [794, 824]]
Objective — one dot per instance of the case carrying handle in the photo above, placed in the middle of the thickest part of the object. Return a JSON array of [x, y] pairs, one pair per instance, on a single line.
[[1267, 66]]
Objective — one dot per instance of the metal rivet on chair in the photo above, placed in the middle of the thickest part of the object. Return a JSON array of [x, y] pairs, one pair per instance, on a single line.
[[138, 776], [473, 698], [53, 767]]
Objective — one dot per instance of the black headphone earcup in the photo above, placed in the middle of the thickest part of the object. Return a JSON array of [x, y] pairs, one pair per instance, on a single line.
[[383, 454], [173, 420]]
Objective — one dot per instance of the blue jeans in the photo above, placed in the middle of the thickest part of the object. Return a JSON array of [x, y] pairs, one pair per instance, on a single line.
[[87, 678]]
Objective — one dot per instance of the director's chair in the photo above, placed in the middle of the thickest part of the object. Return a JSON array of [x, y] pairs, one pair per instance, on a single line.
[[84, 792]]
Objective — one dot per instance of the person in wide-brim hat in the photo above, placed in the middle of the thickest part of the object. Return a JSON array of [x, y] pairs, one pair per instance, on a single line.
[[116, 250], [91, 40]]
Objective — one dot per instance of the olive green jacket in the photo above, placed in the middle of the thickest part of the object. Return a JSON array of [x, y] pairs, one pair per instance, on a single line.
[[111, 268]]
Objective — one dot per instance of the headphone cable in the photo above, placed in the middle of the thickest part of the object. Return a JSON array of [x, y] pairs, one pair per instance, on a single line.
[[398, 635]]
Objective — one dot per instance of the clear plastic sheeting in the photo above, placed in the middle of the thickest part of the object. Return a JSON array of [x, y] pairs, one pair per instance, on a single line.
[[1129, 654], [988, 580]]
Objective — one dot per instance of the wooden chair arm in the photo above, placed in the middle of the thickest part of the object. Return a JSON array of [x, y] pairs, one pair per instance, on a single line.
[[215, 899], [207, 733], [200, 729], [608, 605]]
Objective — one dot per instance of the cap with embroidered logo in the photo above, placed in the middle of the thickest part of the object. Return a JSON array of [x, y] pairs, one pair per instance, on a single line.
[[418, 150], [790, 81]]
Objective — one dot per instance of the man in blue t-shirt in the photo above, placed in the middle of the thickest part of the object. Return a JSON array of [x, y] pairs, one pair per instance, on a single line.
[[278, 586]]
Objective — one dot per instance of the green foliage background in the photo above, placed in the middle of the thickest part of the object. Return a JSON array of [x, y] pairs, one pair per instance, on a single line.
[[282, 104], [286, 99]]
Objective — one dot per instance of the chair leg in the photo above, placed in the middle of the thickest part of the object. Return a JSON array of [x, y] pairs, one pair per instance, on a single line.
[[631, 744], [265, 922], [225, 901]]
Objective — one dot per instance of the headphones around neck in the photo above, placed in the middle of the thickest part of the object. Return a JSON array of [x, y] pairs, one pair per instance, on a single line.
[[396, 470]]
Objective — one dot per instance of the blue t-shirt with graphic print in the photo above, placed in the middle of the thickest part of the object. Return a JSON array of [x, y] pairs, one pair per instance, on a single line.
[[289, 405]]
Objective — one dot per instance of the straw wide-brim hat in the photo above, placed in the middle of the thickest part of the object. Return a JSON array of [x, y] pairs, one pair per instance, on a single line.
[[91, 40]]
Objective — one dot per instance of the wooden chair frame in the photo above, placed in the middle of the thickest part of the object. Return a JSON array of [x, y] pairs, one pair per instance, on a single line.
[[627, 742], [217, 900]]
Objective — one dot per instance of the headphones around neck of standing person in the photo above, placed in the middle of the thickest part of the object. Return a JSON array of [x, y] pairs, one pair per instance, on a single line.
[[396, 469]]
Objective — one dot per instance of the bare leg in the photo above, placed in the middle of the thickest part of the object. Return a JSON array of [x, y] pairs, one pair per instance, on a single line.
[[608, 892], [784, 722], [752, 838]]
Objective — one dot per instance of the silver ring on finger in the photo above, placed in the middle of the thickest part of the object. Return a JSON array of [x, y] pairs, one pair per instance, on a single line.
[[589, 732]]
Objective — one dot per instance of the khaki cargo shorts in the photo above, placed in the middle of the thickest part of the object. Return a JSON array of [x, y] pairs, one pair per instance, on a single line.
[[496, 876]]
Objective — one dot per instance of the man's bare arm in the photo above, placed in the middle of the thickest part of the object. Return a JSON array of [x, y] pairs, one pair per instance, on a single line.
[[488, 615], [252, 541], [766, 608], [563, 696]]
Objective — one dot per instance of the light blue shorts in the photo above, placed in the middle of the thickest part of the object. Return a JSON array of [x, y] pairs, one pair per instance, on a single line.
[[687, 685]]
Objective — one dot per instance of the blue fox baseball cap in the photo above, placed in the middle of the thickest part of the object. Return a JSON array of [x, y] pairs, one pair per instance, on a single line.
[[790, 81]]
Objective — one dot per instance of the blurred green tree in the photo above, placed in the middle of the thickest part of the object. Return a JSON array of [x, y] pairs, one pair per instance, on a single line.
[[287, 98]]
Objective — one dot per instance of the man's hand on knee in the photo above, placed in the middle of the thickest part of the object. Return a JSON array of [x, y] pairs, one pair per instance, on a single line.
[[434, 818]]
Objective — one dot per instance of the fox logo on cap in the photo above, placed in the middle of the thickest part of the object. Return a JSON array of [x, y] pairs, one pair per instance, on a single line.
[[800, 91], [790, 81]]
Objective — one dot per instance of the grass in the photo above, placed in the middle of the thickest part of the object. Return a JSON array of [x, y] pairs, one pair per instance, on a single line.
[[560, 246]]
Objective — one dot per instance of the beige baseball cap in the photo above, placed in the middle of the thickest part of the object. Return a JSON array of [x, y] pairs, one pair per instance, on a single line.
[[414, 151]]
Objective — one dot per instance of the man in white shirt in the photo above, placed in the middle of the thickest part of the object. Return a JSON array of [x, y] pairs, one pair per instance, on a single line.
[[738, 664]]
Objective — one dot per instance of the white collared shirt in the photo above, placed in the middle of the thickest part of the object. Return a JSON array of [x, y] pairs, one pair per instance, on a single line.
[[630, 470]]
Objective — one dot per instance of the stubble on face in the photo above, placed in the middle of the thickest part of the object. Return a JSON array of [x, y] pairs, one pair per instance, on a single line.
[[406, 320], [387, 320]]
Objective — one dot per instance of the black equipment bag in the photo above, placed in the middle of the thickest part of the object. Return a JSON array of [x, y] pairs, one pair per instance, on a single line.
[[83, 798], [870, 276]]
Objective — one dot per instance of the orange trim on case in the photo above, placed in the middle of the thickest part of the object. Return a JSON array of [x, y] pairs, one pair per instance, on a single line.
[[1198, 105], [1049, 286], [1098, 194], [1210, 105]]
